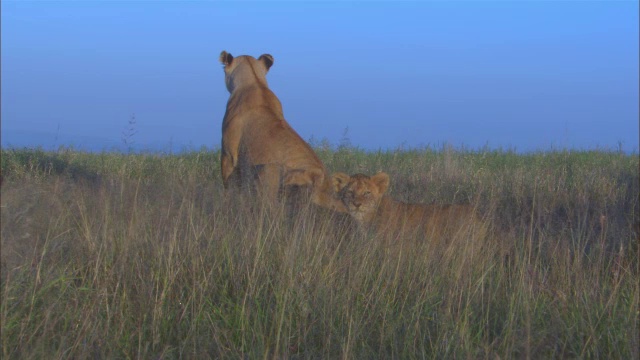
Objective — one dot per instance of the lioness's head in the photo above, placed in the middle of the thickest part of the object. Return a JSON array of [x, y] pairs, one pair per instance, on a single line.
[[361, 194], [245, 69]]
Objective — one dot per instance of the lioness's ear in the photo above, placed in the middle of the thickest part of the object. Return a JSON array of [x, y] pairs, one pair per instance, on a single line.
[[339, 180], [381, 180], [225, 58], [266, 59]]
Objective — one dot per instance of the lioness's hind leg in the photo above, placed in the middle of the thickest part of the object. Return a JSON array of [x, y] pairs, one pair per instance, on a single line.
[[303, 177], [269, 180], [322, 189]]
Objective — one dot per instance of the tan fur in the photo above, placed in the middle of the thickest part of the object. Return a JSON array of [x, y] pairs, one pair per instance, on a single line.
[[365, 200], [257, 142]]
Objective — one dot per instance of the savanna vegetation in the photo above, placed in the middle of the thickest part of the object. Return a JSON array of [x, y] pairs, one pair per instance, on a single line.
[[111, 255]]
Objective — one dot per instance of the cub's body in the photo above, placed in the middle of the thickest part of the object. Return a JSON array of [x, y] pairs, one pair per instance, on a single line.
[[365, 200]]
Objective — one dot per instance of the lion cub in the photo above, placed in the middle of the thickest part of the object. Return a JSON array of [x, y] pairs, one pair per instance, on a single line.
[[365, 200]]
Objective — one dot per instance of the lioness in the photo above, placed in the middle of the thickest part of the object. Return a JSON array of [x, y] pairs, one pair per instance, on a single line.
[[365, 200], [257, 142]]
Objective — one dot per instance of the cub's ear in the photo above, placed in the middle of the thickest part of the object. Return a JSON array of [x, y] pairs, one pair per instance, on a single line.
[[339, 181], [267, 60], [381, 180], [226, 58]]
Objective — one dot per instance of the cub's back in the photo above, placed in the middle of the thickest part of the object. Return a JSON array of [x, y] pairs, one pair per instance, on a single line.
[[432, 219]]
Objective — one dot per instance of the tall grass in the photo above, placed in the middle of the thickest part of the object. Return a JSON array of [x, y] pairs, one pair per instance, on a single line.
[[145, 256]]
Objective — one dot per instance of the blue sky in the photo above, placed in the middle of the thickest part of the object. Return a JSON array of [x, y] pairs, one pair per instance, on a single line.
[[529, 75]]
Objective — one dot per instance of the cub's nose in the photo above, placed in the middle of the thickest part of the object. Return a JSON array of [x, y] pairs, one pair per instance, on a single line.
[[357, 204]]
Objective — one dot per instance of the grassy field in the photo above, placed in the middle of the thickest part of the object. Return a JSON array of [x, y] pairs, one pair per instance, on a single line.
[[113, 255]]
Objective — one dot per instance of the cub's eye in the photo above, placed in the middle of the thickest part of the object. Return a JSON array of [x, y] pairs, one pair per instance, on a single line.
[[367, 194]]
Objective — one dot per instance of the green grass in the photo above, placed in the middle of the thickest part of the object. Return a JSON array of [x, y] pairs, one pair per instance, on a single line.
[[110, 255]]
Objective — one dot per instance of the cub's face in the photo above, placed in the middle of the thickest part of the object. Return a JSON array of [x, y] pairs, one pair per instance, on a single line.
[[245, 69], [360, 193]]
